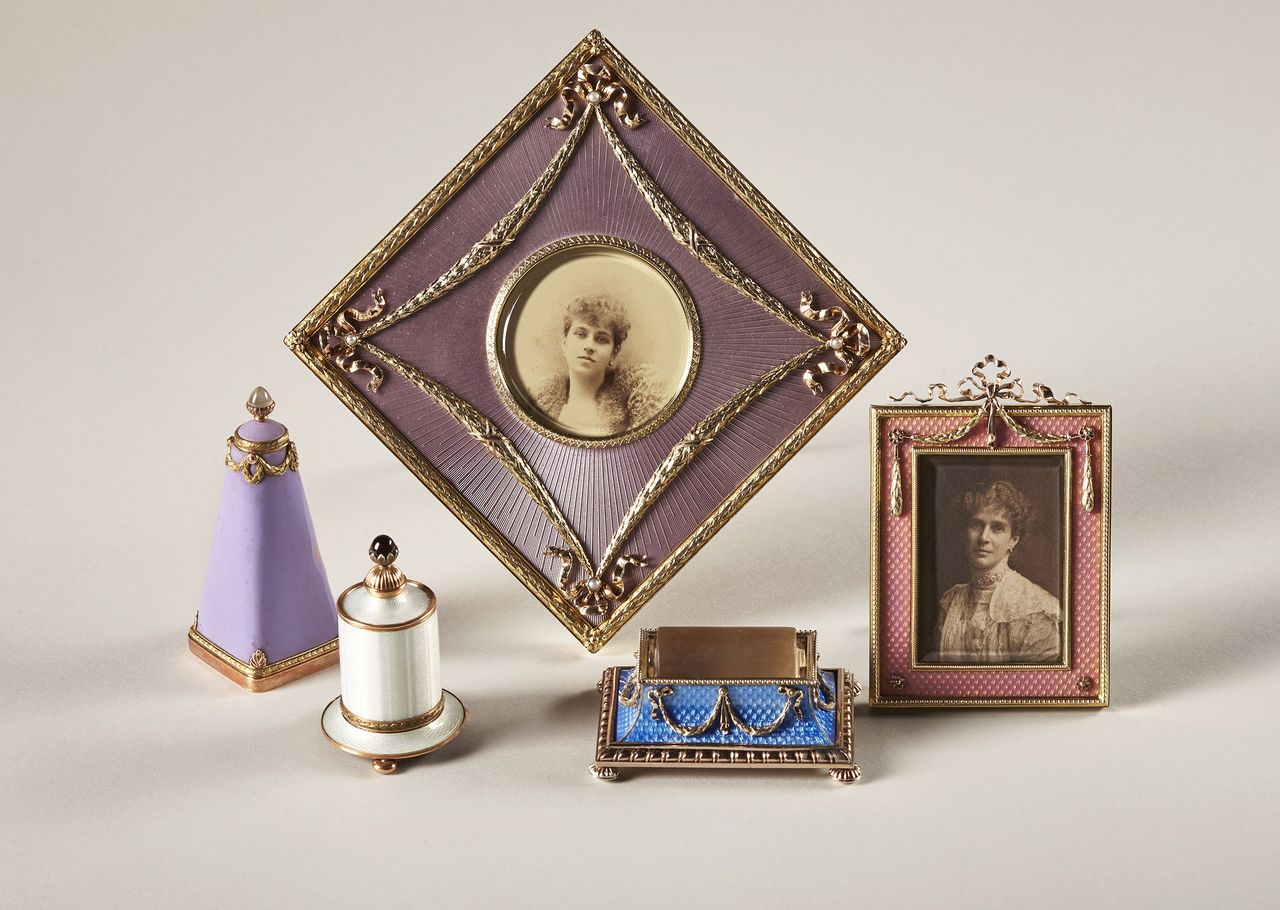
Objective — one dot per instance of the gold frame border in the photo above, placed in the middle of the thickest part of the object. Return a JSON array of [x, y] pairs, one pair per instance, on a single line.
[[1064, 452], [341, 295], [611, 754], [878, 699], [269, 677], [541, 255]]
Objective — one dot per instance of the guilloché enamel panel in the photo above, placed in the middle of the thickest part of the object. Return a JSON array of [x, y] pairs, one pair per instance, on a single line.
[[594, 340]]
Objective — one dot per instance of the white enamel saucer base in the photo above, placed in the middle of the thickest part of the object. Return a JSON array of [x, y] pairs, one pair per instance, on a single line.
[[385, 749]]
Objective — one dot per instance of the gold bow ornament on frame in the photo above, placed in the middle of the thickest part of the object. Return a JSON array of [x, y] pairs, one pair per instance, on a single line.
[[993, 386]]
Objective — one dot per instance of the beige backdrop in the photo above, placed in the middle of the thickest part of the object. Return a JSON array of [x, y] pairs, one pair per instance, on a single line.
[[1086, 189]]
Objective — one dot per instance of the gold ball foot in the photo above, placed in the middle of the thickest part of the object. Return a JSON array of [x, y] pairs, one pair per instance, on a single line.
[[602, 773], [845, 775], [384, 765]]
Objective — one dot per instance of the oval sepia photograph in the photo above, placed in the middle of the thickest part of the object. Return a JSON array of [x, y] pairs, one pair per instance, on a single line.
[[593, 340]]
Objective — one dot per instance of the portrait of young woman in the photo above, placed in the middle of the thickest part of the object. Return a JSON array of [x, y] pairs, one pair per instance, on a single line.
[[594, 340], [592, 395], [990, 582]]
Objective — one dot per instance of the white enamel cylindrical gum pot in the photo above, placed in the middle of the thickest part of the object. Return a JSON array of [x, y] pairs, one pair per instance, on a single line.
[[392, 704], [390, 649]]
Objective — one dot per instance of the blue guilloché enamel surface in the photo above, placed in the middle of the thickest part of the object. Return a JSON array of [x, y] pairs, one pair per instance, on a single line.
[[756, 704]]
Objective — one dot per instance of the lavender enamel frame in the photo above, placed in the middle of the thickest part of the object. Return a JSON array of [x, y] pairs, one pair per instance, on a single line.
[[594, 532]]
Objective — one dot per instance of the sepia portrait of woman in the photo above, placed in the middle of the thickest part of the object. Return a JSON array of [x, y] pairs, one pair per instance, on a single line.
[[998, 616], [592, 395]]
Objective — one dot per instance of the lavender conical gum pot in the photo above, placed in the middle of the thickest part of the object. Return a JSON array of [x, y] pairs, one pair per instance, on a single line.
[[267, 615]]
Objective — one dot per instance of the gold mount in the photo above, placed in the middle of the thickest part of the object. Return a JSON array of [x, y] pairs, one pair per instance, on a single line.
[[260, 676]]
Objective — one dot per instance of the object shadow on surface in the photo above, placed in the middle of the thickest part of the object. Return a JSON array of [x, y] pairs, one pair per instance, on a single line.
[[888, 741], [1227, 633], [1195, 560], [500, 721], [578, 708]]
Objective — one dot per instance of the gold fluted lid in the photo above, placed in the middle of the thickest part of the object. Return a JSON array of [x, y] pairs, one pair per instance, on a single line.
[[386, 601], [385, 579]]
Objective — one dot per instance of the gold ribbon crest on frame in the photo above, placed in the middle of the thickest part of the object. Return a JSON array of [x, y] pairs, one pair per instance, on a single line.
[[993, 386], [594, 596], [594, 85], [340, 339], [847, 340]]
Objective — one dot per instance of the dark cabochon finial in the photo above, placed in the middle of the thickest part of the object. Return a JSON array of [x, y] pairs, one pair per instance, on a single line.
[[383, 550]]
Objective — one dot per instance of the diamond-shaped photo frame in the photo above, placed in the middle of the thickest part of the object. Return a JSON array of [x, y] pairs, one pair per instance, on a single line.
[[594, 521]]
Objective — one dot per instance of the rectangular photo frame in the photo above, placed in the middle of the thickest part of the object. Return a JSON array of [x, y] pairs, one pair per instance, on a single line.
[[990, 549]]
